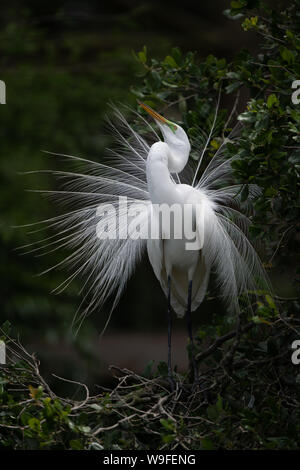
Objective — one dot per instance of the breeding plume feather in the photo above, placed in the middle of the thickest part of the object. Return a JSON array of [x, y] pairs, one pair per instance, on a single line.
[[149, 172]]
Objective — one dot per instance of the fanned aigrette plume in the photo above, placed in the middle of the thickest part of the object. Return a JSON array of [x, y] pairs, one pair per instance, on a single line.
[[105, 265]]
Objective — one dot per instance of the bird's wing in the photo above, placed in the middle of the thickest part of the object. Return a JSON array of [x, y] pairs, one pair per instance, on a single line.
[[228, 251], [91, 191]]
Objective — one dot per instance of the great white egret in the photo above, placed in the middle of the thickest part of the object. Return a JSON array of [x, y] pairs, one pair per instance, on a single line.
[[147, 175]]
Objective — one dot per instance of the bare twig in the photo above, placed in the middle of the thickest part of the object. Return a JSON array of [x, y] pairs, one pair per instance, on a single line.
[[222, 339], [109, 428], [279, 243], [84, 402]]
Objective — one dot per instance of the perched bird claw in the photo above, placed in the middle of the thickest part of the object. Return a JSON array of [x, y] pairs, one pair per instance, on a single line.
[[172, 383], [196, 385]]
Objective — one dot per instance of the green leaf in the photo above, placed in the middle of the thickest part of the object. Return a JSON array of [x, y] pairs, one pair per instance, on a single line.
[[207, 444], [6, 328], [84, 429], [232, 15], [177, 55], [270, 301], [238, 4], [96, 407], [34, 424], [148, 369], [247, 116], [76, 444], [250, 23], [142, 55], [167, 424], [168, 438], [233, 86], [272, 100], [162, 368], [287, 55], [96, 446], [170, 61], [219, 403]]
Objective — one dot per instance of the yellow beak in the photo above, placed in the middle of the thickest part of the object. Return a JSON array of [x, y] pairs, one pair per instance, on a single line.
[[152, 113], [158, 117]]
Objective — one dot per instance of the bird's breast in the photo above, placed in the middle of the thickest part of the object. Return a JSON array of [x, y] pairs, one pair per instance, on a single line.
[[177, 256]]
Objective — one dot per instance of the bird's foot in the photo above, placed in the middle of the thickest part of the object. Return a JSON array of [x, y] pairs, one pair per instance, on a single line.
[[171, 382], [196, 387]]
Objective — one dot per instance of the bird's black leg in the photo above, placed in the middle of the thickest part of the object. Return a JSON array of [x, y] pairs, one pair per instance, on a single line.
[[169, 334], [190, 331]]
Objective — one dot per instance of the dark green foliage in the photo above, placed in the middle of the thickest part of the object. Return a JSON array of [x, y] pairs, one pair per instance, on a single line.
[[251, 402]]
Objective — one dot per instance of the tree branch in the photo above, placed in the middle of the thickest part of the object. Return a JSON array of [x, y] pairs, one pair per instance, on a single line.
[[222, 339]]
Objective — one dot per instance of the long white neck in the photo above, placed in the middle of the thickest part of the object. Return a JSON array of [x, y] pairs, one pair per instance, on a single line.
[[160, 185], [178, 157]]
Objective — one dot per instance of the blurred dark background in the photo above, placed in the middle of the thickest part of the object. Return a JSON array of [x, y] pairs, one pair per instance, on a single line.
[[62, 63]]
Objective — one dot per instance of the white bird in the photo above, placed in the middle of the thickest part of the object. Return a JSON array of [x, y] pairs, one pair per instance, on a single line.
[[146, 175]]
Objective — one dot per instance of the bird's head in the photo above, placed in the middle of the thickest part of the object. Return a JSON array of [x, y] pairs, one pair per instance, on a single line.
[[175, 137]]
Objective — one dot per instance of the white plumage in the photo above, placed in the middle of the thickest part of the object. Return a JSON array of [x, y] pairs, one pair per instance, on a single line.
[[148, 174]]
